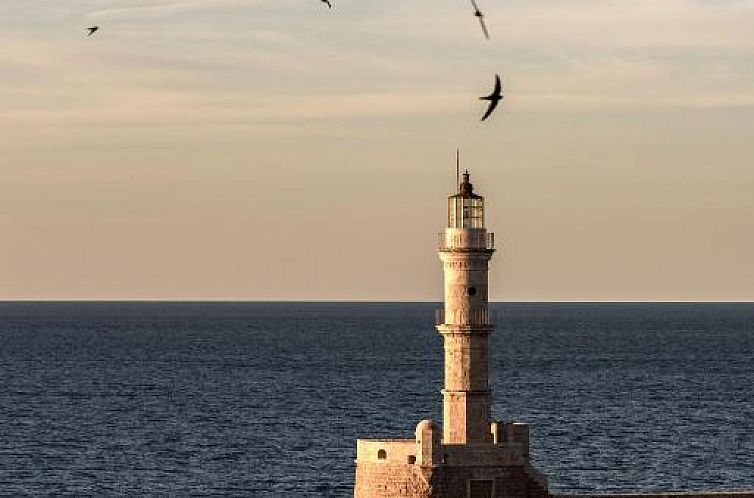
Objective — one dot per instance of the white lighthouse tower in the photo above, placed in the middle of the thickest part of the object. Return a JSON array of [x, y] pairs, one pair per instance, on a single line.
[[471, 456], [465, 248]]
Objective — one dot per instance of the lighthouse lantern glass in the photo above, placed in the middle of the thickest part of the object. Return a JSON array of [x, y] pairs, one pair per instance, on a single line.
[[466, 211]]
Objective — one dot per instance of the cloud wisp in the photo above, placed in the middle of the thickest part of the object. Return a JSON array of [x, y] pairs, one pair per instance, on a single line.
[[272, 73], [161, 7]]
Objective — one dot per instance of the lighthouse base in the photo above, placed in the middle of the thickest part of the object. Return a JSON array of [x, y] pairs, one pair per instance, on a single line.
[[375, 480], [426, 468]]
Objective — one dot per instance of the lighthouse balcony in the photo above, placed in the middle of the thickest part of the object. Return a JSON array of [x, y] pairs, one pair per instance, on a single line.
[[455, 239], [470, 317]]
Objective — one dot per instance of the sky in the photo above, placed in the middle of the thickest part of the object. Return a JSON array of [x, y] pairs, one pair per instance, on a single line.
[[278, 150]]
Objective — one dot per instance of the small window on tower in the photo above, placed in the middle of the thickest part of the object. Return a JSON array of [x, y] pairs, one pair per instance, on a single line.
[[382, 454], [472, 291]]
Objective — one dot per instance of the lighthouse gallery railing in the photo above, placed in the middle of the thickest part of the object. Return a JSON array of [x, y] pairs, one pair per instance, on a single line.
[[464, 241], [464, 317]]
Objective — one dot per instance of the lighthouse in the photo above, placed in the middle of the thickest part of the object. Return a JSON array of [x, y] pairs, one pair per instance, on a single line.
[[465, 249], [472, 455]]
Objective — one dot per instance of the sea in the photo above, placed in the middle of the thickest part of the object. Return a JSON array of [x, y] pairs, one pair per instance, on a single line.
[[268, 399]]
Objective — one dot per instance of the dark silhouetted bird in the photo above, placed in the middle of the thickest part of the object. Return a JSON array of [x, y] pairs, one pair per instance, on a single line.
[[329, 5], [480, 16], [495, 97], [92, 30]]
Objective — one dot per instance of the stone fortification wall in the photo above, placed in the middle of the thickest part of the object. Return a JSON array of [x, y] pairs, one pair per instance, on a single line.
[[423, 467], [503, 482], [384, 480]]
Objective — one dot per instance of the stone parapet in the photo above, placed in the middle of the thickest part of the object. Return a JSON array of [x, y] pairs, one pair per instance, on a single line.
[[512, 434], [388, 451]]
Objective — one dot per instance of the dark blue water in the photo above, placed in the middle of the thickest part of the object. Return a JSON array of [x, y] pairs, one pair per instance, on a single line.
[[267, 399]]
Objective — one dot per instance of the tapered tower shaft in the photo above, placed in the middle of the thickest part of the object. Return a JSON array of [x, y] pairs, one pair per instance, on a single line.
[[465, 249], [471, 456]]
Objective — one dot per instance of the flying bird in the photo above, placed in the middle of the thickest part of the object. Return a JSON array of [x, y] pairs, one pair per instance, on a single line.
[[329, 5], [495, 97], [92, 30], [480, 16]]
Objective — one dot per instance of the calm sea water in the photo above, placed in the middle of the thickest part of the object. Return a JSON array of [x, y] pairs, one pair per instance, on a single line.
[[267, 400]]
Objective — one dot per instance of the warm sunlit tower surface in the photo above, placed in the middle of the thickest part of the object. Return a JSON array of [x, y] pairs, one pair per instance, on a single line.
[[465, 248], [471, 456]]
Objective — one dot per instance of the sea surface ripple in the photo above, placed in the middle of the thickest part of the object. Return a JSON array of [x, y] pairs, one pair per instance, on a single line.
[[267, 399]]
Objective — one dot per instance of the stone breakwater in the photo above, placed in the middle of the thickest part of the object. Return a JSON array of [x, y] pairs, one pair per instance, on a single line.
[[685, 494]]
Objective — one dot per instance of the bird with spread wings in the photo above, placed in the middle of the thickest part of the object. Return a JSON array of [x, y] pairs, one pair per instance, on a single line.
[[480, 16], [495, 97]]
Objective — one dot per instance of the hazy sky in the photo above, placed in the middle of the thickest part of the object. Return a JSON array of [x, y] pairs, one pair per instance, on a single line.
[[220, 149]]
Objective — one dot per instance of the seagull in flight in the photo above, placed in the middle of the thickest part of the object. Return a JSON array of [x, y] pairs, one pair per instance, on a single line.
[[480, 16], [329, 5], [92, 30], [495, 97]]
